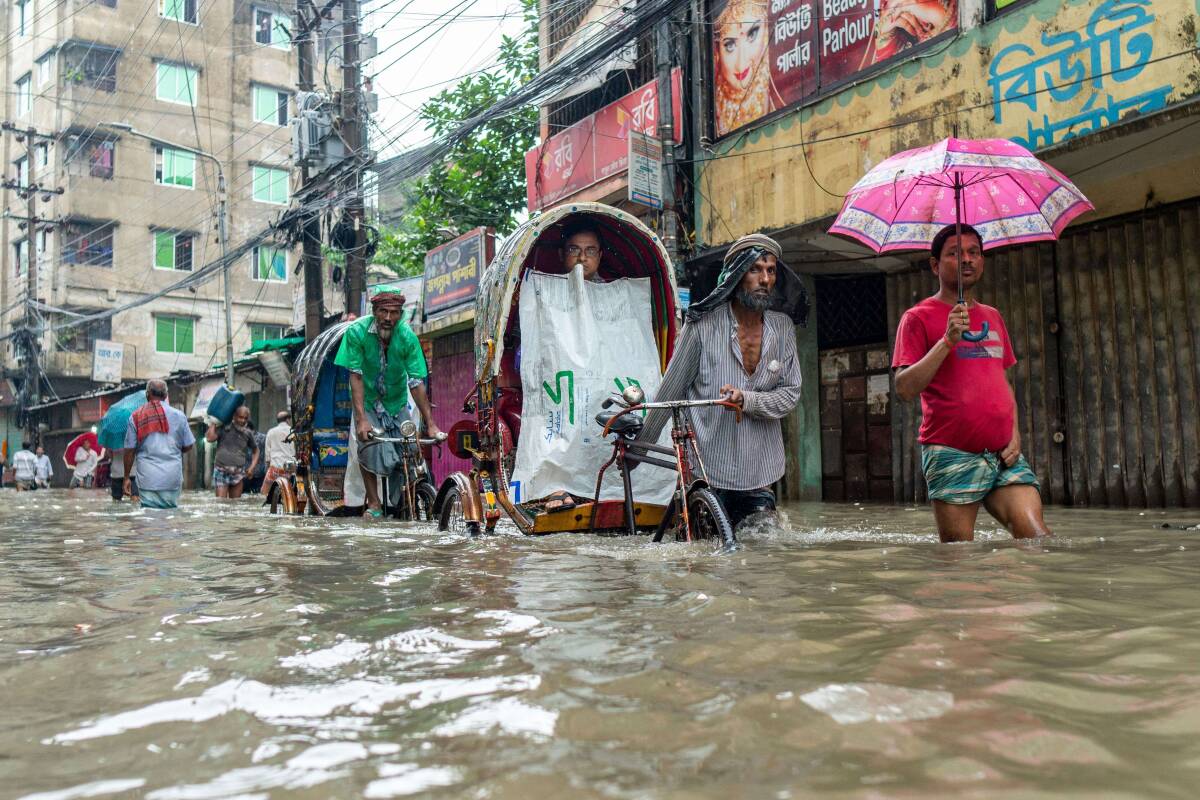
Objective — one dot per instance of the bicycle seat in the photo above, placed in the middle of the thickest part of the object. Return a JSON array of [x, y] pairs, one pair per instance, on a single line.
[[628, 425]]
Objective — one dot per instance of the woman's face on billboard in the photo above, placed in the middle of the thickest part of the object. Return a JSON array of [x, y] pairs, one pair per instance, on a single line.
[[741, 42]]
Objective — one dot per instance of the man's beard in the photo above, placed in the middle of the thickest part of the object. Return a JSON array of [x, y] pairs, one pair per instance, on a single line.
[[755, 301]]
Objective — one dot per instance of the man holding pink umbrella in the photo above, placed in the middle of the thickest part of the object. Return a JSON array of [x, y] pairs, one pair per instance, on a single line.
[[970, 441]]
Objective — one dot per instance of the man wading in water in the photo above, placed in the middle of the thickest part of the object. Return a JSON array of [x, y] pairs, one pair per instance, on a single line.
[[970, 444], [384, 358], [733, 346]]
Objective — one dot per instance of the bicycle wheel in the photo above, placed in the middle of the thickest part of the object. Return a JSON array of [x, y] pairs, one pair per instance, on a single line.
[[426, 495], [708, 519], [452, 518]]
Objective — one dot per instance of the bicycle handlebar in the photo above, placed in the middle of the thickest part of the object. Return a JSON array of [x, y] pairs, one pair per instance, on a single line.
[[667, 404]]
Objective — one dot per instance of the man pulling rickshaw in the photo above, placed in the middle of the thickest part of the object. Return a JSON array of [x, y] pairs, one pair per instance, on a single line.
[[385, 362]]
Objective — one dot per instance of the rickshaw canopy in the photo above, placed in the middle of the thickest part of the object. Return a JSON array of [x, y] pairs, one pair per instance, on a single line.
[[631, 250]]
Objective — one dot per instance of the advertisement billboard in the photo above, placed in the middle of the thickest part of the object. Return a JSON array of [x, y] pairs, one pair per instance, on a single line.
[[452, 271], [771, 54], [596, 147]]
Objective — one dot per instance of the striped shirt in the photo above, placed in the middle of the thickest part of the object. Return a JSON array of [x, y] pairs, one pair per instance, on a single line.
[[707, 356]]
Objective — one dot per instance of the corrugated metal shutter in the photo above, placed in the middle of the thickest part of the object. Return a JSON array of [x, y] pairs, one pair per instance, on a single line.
[[451, 377]]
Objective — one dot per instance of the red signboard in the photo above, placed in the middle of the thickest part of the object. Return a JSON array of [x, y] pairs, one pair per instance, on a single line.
[[596, 147], [771, 54]]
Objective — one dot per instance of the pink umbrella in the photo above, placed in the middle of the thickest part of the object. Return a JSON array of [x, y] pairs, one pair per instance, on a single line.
[[994, 185]]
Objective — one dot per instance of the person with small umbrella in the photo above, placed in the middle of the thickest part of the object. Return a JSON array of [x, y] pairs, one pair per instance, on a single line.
[[970, 440]]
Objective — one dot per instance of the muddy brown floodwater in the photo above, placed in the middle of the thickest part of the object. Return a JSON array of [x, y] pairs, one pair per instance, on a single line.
[[217, 652]]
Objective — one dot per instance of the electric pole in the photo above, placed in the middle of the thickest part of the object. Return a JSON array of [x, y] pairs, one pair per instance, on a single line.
[[28, 340], [354, 133], [666, 132], [311, 225]]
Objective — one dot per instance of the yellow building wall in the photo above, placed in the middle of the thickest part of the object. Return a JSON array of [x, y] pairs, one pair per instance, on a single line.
[[1043, 74]]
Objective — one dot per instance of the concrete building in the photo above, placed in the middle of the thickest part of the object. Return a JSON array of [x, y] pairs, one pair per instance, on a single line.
[[130, 96]]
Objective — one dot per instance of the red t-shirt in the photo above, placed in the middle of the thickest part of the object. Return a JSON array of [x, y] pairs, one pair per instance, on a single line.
[[968, 405]]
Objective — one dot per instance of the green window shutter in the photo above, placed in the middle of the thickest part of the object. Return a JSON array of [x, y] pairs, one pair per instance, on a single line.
[[183, 335], [164, 334], [279, 186], [183, 168], [278, 265], [264, 105], [164, 250], [261, 183], [172, 9], [187, 86]]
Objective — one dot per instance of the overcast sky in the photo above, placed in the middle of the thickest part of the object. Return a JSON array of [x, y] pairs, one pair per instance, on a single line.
[[422, 50]]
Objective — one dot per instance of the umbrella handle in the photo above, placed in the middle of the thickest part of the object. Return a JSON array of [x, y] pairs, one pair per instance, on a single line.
[[972, 336]]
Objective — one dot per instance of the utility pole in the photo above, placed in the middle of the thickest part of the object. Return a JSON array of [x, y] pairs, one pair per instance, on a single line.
[[28, 341], [311, 225], [354, 133], [666, 132]]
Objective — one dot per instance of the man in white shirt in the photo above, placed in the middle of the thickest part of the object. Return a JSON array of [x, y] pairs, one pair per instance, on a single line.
[[279, 451], [85, 467], [25, 468], [45, 470]]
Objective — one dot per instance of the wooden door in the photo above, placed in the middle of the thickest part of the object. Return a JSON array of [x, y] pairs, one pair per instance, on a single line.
[[856, 424]]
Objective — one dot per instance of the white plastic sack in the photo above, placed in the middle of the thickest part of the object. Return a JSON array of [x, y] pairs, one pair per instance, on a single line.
[[580, 342]]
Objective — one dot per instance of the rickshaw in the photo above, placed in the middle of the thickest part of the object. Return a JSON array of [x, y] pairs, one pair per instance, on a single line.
[[320, 409], [474, 501]]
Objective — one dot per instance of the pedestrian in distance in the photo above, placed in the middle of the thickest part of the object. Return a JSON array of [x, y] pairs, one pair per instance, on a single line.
[[734, 346], [279, 451], [45, 469], [116, 475], [237, 453], [86, 460], [156, 438], [970, 439], [25, 468]]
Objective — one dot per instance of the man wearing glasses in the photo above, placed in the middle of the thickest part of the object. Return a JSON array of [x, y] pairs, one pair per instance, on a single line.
[[581, 245]]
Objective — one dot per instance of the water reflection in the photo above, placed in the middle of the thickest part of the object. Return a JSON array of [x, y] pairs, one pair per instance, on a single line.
[[213, 651]]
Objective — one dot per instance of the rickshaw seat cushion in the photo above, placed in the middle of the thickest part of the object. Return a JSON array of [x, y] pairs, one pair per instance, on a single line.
[[331, 447], [628, 425]]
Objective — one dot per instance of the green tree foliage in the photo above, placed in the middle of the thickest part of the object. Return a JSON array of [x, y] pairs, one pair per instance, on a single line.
[[482, 181]]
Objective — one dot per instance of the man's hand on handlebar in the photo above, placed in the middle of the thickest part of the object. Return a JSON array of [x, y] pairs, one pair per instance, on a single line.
[[363, 430], [733, 395]]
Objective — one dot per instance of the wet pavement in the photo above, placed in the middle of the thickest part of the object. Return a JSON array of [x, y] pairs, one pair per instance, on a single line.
[[217, 652]]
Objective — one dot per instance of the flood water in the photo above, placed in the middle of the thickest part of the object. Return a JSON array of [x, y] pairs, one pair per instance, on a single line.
[[217, 652]]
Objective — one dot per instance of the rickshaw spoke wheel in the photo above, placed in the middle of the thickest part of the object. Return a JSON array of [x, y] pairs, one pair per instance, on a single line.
[[708, 518], [426, 495], [453, 519]]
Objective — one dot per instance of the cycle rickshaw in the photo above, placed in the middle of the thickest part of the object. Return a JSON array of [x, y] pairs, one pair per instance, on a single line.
[[476, 500]]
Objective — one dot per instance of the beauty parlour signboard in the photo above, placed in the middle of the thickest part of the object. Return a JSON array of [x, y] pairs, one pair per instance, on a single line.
[[596, 147], [768, 55]]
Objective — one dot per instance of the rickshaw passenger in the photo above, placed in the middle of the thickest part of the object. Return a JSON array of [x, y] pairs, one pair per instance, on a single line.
[[383, 357], [581, 245]]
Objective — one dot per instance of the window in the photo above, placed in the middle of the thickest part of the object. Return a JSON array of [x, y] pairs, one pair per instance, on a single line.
[[42, 244], [271, 28], [176, 84], [22, 169], [90, 65], [42, 152], [173, 250], [45, 70], [86, 243], [271, 185], [270, 264], [173, 334], [270, 105], [24, 94], [83, 338], [90, 156], [19, 18], [262, 331], [174, 167], [21, 256], [181, 10], [107, 3]]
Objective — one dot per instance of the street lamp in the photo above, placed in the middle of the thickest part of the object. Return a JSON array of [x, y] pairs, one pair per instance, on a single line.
[[126, 127]]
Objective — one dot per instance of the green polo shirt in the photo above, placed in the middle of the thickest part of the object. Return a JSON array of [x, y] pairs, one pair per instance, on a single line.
[[359, 352]]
